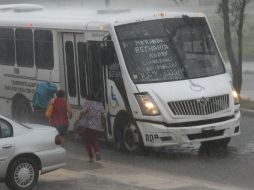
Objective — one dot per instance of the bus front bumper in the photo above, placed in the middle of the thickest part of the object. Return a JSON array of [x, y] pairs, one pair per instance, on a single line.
[[159, 135]]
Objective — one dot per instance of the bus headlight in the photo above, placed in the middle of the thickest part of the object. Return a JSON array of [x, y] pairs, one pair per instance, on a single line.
[[147, 104], [236, 97]]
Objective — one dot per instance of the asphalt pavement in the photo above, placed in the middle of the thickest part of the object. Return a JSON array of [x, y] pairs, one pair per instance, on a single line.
[[175, 168]]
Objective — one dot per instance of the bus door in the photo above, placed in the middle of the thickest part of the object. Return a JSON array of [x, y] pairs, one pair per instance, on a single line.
[[70, 67], [100, 81], [95, 70], [83, 68], [96, 82], [81, 51], [96, 78]]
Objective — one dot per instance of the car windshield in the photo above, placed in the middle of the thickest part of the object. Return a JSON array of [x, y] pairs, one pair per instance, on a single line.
[[169, 49]]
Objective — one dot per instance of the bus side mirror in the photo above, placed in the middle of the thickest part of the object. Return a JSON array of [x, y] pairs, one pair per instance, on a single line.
[[108, 52]]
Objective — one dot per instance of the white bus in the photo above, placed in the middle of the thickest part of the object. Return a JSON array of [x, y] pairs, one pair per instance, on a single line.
[[160, 76]]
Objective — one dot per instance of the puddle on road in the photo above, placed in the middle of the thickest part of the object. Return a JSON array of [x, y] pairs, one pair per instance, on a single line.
[[184, 149], [194, 151]]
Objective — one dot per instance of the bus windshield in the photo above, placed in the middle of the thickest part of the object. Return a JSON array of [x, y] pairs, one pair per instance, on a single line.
[[169, 49]]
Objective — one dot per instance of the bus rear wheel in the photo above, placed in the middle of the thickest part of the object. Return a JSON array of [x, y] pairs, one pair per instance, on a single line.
[[21, 110]]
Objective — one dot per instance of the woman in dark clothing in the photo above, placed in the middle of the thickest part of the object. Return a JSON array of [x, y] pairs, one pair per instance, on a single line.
[[61, 113]]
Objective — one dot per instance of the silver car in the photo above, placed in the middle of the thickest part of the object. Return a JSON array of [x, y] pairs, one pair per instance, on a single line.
[[26, 151]]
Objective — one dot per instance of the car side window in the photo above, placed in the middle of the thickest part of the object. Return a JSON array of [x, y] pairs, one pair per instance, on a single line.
[[5, 129]]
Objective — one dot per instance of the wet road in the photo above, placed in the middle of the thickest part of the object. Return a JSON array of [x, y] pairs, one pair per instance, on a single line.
[[174, 168]]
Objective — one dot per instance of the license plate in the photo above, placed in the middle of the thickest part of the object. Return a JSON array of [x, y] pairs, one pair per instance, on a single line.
[[210, 128]]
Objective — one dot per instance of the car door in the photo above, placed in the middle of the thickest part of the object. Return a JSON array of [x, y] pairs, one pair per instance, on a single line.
[[6, 145]]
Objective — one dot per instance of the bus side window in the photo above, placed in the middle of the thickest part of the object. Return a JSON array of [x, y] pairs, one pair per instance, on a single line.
[[7, 46], [114, 72], [108, 53], [24, 47], [43, 44]]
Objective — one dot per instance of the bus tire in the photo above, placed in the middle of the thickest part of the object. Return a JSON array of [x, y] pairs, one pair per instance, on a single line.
[[21, 109], [210, 147], [131, 140]]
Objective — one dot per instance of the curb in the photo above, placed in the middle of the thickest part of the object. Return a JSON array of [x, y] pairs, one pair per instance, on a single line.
[[247, 110], [250, 72], [246, 98]]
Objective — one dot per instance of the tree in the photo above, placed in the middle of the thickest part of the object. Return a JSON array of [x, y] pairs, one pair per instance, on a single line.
[[107, 3], [232, 12]]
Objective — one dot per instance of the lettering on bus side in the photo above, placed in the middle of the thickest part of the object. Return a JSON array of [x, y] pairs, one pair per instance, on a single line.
[[21, 86]]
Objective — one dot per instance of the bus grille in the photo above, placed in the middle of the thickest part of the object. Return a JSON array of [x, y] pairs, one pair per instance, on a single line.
[[202, 106]]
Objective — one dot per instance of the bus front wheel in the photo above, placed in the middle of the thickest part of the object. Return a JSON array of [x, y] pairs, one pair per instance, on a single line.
[[131, 140]]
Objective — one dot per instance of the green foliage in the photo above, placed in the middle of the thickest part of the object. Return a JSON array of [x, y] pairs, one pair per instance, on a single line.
[[234, 10], [248, 35]]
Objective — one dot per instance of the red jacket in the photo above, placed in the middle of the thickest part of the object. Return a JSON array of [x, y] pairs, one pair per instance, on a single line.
[[60, 113]]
